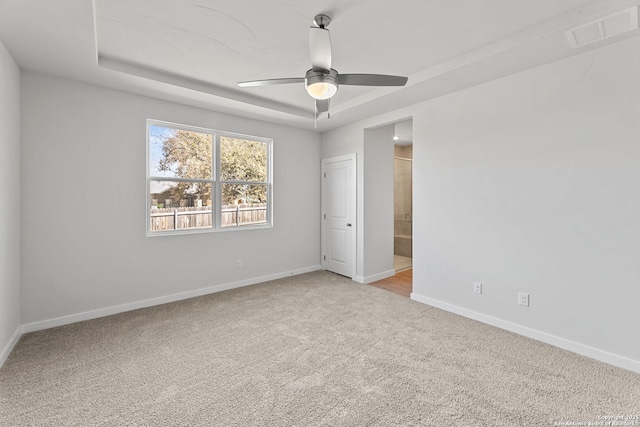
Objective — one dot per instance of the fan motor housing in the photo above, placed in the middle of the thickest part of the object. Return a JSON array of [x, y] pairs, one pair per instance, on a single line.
[[321, 76]]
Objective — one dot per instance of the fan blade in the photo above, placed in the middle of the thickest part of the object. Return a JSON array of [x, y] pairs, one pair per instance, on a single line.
[[322, 106], [371, 80], [320, 48], [271, 82]]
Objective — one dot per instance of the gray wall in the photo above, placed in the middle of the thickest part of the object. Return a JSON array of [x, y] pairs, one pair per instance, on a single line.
[[84, 243], [530, 183], [10, 210]]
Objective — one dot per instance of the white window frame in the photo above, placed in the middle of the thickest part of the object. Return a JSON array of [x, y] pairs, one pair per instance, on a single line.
[[216, 182]]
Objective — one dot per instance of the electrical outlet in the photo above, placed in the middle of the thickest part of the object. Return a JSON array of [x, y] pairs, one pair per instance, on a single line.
[[238, 263], [523, 299], [477, 287]]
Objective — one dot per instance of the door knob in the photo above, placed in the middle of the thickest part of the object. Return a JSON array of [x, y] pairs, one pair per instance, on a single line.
[[348, 224]]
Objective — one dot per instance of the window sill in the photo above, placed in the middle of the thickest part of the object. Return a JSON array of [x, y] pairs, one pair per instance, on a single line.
[[208, 230]]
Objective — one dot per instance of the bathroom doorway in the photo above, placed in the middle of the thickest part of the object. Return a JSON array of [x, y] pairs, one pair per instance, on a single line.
[[403, 200], [402, 282]]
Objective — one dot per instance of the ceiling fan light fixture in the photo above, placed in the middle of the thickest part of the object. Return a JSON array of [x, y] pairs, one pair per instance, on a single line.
[[321, 81], [321, 84], [322, 90]]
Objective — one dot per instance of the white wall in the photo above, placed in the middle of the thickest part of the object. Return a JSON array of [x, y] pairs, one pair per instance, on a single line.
[[530, 183], [378, 203], [10, 212], [84, 206]]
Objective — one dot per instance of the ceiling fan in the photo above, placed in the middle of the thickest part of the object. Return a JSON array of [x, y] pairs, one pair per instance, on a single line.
[[322, 81]]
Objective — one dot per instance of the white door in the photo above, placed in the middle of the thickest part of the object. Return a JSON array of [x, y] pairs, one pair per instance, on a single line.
[[339, 214]]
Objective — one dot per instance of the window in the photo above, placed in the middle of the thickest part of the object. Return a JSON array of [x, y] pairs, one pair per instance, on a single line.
[[206, 180]]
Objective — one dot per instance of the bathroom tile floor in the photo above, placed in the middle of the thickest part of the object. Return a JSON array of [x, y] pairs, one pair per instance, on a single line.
[[401, 263]]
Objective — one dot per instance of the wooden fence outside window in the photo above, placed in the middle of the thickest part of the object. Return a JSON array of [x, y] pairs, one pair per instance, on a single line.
[[184, 218]]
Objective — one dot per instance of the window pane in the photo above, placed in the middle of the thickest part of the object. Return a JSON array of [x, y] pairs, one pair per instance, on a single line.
[[244, 204], [242, 160], [176, 153], [180, 205]]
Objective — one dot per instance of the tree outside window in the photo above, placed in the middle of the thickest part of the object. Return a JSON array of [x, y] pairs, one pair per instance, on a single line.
[[189, 190]]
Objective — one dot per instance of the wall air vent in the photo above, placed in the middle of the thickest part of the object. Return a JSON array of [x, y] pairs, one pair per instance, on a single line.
[[603, 28]]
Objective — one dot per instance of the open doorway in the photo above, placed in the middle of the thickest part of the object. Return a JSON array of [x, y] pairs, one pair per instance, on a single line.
[[402, 207], [403, 196], [402, 281]]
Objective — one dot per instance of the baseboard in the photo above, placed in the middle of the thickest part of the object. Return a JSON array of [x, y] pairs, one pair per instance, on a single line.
[[374, 278], [108, 311], [6, 351], [581, 349], [379, 276]]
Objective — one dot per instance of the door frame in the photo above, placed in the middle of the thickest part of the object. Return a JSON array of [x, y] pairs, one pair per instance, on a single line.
[[353, 205]]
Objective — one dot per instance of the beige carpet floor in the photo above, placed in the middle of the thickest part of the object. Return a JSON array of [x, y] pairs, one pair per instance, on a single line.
[[310, 350]]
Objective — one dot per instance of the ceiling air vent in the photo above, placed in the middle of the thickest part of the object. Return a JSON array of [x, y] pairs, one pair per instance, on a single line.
[[604, 28]]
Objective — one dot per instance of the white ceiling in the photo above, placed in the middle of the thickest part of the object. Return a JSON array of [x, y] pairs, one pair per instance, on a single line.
[[194, 51]]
